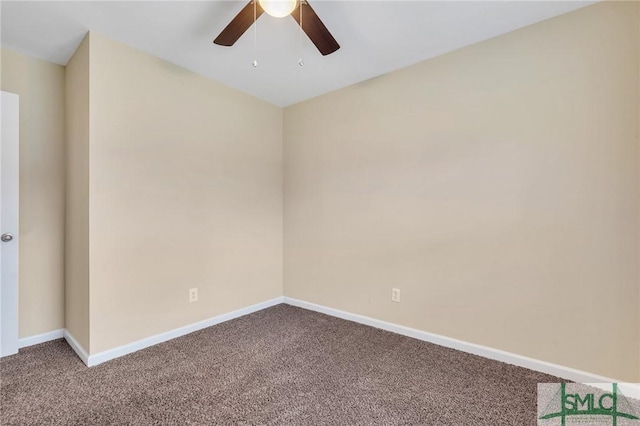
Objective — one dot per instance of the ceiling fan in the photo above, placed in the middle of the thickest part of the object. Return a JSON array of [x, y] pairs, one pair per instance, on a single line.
[[300, 10]]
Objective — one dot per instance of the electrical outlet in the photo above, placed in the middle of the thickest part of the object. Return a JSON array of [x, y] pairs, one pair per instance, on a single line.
[[395, 295], [193, 295]]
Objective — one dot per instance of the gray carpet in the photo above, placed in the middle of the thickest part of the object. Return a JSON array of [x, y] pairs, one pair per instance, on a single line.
[[283, 365]]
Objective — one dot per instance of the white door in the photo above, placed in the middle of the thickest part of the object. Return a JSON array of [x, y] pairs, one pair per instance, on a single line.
[[9, 225]]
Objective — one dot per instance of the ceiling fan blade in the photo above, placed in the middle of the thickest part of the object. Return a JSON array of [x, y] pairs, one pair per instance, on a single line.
[[315, 29], [239, 24]]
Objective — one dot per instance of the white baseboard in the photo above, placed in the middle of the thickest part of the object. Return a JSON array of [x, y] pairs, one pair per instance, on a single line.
[[567, 373], [40, 338], [563, 372], [110, 354], [79, 350]]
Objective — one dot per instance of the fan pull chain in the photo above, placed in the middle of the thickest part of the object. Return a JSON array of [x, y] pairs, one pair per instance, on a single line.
[[255, 35], [300, 61]]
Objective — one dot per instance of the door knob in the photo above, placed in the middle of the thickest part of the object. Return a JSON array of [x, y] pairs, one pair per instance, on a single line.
[[6, 238]]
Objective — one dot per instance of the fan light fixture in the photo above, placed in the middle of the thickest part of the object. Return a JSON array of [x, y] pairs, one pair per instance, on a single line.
[[247, 17], [278, 8]]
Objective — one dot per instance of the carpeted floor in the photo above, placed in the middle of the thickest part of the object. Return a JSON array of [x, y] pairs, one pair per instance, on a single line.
[[283, 365]]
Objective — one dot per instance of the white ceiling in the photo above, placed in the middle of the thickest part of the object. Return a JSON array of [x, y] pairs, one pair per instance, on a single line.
[[375, 37]]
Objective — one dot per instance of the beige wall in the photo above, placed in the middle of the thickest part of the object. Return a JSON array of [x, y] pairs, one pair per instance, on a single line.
[[40, 86], [77, 218], [496, 186], [185, 191]]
